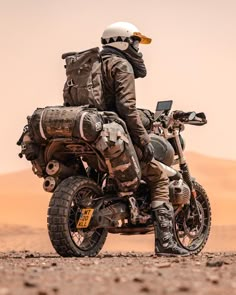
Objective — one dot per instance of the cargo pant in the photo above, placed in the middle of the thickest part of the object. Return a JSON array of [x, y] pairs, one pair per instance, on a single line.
[[124, 167], [157, 180]]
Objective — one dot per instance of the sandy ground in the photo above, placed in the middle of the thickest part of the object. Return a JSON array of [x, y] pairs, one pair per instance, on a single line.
[[117, 273], [17, 237]]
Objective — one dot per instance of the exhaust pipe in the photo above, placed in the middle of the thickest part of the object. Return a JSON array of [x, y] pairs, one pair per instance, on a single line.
[[55, 168], [49, 184], [171, 172]]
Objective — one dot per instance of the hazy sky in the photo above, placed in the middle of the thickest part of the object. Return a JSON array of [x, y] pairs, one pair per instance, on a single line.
[[191, 60]]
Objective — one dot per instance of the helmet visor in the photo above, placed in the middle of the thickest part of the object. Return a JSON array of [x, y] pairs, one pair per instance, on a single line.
[[134, 42], [143, 39]]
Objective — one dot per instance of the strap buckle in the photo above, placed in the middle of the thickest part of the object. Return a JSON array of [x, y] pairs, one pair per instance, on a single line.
[[70, 83], [134, 212]]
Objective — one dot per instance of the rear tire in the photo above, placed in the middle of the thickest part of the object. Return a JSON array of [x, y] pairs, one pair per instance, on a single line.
[[72, 195]]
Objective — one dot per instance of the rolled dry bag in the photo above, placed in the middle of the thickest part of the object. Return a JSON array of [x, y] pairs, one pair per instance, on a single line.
[[65, 122]]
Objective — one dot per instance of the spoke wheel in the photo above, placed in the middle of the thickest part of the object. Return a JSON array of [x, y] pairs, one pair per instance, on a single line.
[[71, 196], [192, 225]]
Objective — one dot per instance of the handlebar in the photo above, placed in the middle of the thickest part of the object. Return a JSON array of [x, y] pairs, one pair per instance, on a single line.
[[191, 118], [182, 116]]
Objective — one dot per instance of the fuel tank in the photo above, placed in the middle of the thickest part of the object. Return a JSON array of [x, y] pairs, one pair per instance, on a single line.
[[163, 150]]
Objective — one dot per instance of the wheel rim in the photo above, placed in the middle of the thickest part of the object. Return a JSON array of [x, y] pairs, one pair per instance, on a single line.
[[191, 233], [83, 239]]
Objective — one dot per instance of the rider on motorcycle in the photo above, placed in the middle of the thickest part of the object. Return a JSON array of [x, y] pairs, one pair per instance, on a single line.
[[122, 64]]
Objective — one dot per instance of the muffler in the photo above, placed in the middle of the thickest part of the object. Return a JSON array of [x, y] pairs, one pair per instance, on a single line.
[[55, 168], [49, 184]]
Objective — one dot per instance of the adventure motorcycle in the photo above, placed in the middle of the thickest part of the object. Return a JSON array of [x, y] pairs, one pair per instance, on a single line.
[[84, 206]]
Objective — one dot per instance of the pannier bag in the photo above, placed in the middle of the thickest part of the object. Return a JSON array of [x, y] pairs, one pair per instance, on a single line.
[[121, 160], [65, 122], [84, 79]]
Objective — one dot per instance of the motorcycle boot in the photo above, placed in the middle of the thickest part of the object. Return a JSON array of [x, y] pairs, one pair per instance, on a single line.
[[165, 245]]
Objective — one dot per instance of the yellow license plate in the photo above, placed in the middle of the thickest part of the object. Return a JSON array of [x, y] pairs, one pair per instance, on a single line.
[[85, 217]]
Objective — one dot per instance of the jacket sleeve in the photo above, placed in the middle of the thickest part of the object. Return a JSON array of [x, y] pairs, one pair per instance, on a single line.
[[124, 84]]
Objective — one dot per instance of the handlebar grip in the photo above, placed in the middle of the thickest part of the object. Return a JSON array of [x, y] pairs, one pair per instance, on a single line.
[[191, 118], [178, 115]]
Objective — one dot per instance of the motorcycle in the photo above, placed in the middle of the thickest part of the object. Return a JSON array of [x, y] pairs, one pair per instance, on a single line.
[[84, 206]]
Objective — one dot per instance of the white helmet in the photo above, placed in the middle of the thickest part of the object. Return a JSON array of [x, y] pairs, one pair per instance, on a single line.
[[122, 34]]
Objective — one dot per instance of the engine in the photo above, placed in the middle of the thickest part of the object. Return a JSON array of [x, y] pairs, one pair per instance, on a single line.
[[179, 192]]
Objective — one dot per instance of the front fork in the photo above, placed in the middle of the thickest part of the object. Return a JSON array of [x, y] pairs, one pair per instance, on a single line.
[[185, 172]]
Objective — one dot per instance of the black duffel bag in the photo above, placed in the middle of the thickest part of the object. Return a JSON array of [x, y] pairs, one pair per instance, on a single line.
[[65, 122]]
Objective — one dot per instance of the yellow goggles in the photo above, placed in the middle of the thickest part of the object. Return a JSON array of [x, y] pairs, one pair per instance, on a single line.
[[143, 39]]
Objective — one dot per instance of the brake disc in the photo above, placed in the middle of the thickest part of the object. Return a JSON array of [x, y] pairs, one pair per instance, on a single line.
[[192, 231]]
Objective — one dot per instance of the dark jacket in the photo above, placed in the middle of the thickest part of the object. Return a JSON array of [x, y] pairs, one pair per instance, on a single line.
[[119, 96]]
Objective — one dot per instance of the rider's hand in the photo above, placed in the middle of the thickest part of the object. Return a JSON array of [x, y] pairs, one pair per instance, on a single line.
[[148, 153]]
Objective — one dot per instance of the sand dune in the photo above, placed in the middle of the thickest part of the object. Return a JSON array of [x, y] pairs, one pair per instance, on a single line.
[[23, 200], [24, 203]]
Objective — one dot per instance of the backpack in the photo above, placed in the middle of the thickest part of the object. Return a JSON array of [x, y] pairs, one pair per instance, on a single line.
[[84, 79]]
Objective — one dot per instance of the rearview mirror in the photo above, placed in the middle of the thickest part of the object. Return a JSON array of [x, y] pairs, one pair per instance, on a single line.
[[163, 107]]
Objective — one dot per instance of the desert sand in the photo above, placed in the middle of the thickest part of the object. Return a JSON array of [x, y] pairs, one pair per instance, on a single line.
[[24, 273]]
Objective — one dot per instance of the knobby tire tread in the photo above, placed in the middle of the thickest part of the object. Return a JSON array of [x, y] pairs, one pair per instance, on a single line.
[[57, 221], [199, 188]]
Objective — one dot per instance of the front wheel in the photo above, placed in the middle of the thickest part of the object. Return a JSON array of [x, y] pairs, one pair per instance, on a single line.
[[192, 224], [70, 197]]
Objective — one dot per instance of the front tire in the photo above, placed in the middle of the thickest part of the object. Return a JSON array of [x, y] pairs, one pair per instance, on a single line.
[[72, 195], [192, 233]]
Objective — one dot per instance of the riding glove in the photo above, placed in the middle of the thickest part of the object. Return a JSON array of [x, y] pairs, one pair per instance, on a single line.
[[148, 153]]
